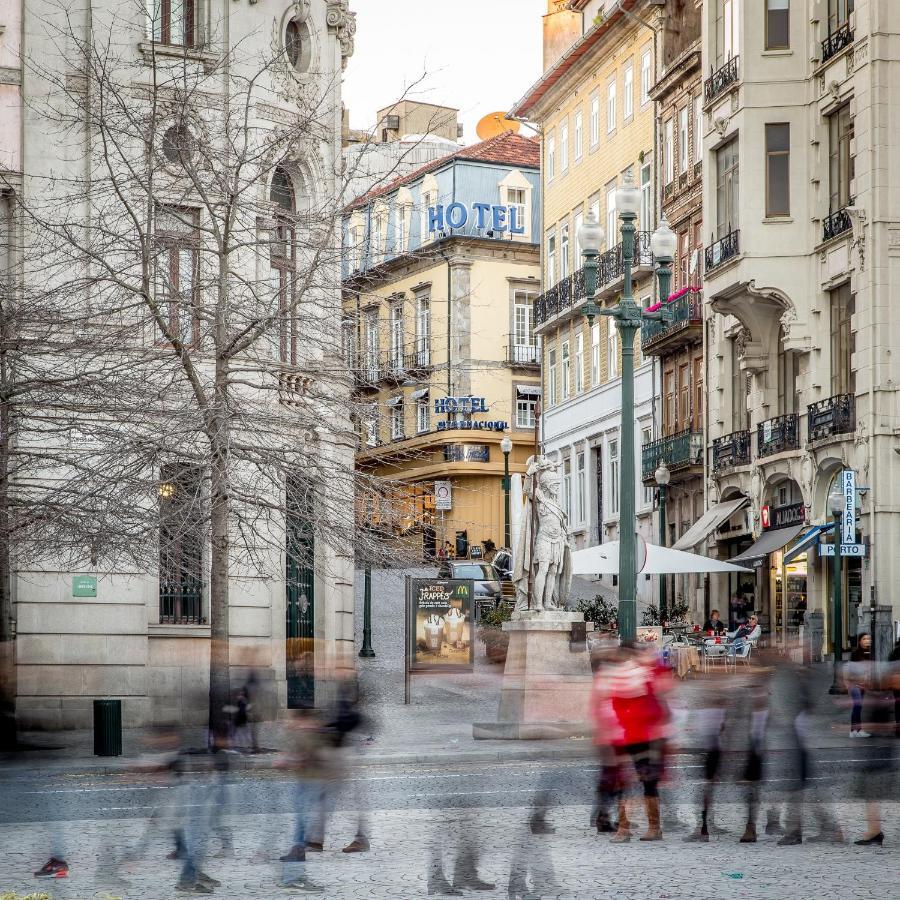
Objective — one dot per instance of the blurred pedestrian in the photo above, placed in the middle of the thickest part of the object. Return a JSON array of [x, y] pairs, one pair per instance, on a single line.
[[857, 676], [894, 677]]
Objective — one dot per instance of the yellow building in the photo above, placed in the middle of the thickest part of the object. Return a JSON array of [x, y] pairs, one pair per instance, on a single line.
[[441, 273]]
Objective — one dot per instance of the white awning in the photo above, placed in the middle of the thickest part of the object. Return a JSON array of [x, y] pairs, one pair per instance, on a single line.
[[708, 523], [394, 401], [418, 395], [604, 560], [769, 542], [528, 390]]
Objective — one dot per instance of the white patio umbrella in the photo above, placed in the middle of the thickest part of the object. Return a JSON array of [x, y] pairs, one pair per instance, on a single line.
[[651, 560]]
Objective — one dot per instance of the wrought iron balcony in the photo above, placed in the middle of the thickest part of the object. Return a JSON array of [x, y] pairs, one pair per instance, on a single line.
[[418, 359], [836, 41], [394, 367], [368, 371], [836, 223], [722, 250], [777, 435], [836, 415], [680, 451], [520, 352], [685, 324], [721, 79], [731, 450], [180, 602]]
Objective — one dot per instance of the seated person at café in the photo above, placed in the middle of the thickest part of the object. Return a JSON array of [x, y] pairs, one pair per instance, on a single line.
[[714, 623], [750, 631]]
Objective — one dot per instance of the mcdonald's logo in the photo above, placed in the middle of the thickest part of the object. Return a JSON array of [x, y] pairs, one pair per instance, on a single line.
[[462, 590]]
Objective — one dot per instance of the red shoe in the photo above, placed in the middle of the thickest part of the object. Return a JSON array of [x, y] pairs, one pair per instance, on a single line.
[[53, 868]]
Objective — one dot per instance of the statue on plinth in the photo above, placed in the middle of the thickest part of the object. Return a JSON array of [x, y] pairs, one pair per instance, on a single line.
[[543, 569]]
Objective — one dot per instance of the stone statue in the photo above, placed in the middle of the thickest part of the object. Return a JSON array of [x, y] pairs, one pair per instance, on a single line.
[[543, 569]]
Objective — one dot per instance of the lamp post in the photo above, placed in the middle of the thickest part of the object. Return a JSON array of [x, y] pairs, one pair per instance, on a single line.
[[627, 315], [662, 476], [366, 651], [506, 447], [836, 508]]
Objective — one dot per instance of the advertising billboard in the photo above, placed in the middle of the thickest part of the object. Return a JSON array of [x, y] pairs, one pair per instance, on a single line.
[[440, 625]]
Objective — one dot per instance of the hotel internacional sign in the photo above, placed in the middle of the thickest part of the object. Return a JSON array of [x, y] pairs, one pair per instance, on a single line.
[[455, 407]]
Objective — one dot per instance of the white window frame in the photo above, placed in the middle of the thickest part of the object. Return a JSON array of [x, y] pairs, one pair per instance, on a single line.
[[595, 354], [567, 490], [525, 412], [371, 426], [397, 432], [683, 140], [564, 251], [551, 258], [612, 477], [698, 128], [396, 333], [577, 222], [565, 367], [646, 438], [611, 107], [612, 351], [423, 415], [517, 198], [646, 213], [564, 145], [578, 147], [579, 362], [595, 120], [423, 329], [611, 218], [646, 76], [523, 320], [552, 381], [628, 92], [669, 150], [580, 488], [551, 156]]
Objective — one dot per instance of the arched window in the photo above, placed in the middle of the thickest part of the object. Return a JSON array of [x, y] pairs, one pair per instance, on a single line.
[[284, 262]]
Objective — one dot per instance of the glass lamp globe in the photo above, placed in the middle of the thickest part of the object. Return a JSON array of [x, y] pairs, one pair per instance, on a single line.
[[835, 502], [662, 474], [628, 197], [590, 234], [662, 241], [506, 445]]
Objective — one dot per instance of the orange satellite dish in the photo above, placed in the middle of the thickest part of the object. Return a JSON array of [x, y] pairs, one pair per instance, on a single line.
[[495, 123]]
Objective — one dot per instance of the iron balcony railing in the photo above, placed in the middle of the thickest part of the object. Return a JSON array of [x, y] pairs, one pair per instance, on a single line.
[[522, 351], [685, 311], [731, 450], [420, 358], [181, 602], [836, 41], [836, 223], [678, 450], [721, 79], [777, 435], [722, 250], [835, 415], [368, 370], [547, 305]]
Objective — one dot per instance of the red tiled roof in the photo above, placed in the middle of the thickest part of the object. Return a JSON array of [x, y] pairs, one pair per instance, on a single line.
[[507, 148]]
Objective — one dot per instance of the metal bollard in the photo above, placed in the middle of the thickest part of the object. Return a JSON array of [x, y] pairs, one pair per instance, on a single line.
[[107, 728]]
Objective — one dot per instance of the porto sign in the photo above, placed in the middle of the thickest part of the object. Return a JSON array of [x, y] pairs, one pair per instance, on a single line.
[[485, 216]]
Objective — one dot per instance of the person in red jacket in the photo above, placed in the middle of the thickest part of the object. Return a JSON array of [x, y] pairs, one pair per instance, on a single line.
[[631, 716]]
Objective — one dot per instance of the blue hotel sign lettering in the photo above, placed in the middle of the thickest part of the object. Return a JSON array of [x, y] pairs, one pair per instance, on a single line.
[[485, 215], [452, 406]]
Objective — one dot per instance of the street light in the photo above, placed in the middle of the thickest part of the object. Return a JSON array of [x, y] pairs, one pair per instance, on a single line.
[[506, 447], [662, 476], [836, 508], [366, 651], [628, 316]]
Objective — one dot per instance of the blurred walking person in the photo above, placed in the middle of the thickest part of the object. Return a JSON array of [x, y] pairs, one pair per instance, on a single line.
[[857, 675]]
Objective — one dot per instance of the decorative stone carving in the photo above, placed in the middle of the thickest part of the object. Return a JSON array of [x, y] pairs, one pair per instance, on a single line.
[[301, 9], [858, 222], [343, 22]]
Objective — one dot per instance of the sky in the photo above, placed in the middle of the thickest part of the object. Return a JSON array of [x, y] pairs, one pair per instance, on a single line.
[[477, 55]]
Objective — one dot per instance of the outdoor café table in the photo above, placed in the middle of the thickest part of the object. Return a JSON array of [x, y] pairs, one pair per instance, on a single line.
[[685, 658]]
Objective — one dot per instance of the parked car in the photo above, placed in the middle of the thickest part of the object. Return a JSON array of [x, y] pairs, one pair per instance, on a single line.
[[487, 581], [503, 563]]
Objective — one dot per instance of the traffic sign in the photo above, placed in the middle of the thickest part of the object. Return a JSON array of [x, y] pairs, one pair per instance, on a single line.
[[858, 550], [443, 496]]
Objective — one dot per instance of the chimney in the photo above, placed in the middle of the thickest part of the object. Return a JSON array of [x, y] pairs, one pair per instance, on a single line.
[[562, 27]]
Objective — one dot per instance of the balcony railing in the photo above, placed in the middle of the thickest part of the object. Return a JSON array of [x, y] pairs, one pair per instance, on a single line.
[[722, 250], [721, 79], [418, 359], [836, 223], [685, 311], [522, 354], [680, 451], [836, 415], [731, 450], [777, 435], [835, 42], [181, 602], [368, 370]]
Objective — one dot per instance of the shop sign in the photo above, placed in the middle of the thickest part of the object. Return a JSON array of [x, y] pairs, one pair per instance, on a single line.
[[467, 453], [848, 518], [84, 586], [468, 425], [470, 404], [443, 496], [857, 550], [485, 215], [439, 625], [783, 516]]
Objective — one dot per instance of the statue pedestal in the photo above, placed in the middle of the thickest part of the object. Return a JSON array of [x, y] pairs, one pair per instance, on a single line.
[[546, 686]]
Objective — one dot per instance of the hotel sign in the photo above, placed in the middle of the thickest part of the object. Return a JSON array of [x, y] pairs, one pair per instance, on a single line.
[[491, 216], [453, 406]]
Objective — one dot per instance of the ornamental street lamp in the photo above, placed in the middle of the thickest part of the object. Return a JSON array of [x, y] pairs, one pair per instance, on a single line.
[[836, 508], [628, 316], [506, 446], [366, 651], [662, 476]]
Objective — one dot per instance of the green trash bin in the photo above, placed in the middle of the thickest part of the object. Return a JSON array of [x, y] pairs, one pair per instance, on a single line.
[[107, 728]]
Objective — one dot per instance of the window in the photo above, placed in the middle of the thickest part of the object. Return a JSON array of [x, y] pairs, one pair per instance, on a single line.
[[579, 134], [647, 438], [683, 140], [423, 414], [740, 383], [697, 379], [567, 490], [348, 342], [727, 217], [684, 396], [778, 170], [612, 350], [838, 14], [379, 236], [595, 354], [429, 199], [515, 199], [788, 399], [595, 120], [551, 156], [842, 341], [551, 377], [181, 540], [177, 272], [551, 260], [628, 92], [646, 75], [778, 24], [371, 343], [423, 330], [646, 212], [526, 405], [611, 107], [670, 408], [565, 370], [397, 420], [612, 456], [611, 214], [179, 145], [577, 222], [403, 216], [396, 336], [580, 489], [579, 362], [669, 151], [174, 22], [594, 206], [523, 327], [370, 426], [297, 44], [564, 146], [840, 162], [682, 258], [564, 251], [727, 30], [698, 128]]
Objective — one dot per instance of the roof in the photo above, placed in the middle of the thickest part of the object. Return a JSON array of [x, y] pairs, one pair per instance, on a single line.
[[565, 63], [507, 148]]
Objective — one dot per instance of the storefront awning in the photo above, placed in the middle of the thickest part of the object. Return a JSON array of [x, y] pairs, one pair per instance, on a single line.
[[528, 390], [393, 401], [811, 537], [708, 523], [768, 543], [418, 395]]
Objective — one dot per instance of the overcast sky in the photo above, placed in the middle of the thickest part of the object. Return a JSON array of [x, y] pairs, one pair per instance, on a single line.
[[479, 55]]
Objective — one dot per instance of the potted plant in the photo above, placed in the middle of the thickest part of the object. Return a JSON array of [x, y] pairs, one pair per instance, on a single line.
[[492, 635], [602, 612]]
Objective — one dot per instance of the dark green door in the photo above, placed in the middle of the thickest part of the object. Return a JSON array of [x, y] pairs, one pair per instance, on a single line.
[[300, 601]]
